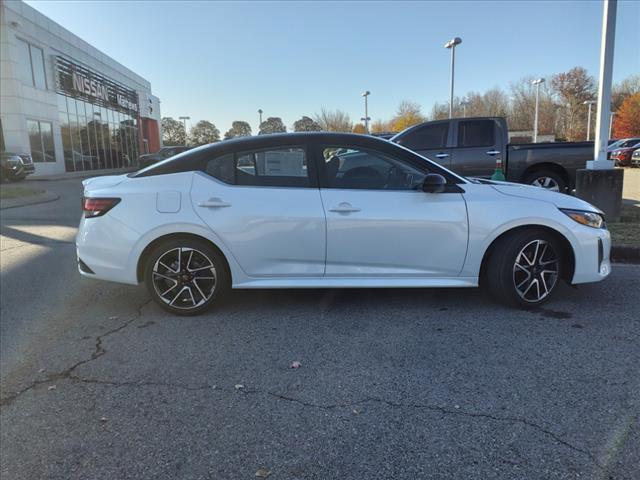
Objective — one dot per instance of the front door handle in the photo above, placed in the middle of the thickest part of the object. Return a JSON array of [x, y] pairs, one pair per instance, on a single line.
[[214, 202], [493, 152], [344, 207], [442, 155]]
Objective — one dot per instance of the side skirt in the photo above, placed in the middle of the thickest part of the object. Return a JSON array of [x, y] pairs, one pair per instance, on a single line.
[[385, 282]]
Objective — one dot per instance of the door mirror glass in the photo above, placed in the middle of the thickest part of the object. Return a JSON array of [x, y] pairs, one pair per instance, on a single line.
[[434, 183]]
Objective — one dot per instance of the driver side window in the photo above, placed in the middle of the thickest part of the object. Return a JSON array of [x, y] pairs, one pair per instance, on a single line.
[[356, 168]]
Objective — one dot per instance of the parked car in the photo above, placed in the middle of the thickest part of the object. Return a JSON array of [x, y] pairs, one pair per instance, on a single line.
[[330, 210], [162, 154], [471, 147], [622, 156], [15, 166], [623, 143], [635, 158]]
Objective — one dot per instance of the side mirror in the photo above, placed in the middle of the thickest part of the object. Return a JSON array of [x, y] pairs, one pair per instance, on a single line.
[[434, 183]]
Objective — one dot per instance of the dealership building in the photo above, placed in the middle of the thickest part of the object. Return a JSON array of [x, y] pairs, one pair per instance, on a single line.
[[67, 104]]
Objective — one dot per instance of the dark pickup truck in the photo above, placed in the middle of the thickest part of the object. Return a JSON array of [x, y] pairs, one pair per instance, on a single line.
[[471, 146]]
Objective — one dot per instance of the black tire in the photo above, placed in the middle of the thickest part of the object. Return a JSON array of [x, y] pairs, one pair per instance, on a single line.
[[539, 178], [192, 297], [503, 276]]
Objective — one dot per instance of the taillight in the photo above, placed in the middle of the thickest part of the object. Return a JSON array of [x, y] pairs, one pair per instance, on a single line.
[[95, 207]]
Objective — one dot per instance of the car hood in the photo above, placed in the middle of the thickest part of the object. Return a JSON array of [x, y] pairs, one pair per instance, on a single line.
[[96, 183], [560, 200]]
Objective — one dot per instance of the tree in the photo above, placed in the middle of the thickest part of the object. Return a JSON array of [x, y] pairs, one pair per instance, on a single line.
[[380, 126], [626, 123], [272, 125], [203, 132], [333, 121], [407, 114], [359, 128], [624, 89], [173, 132], [573, 88], [521, 110], [306, 124], [238, 128]]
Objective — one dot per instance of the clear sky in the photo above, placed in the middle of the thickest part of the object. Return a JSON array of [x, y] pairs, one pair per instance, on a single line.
[[221, 61]]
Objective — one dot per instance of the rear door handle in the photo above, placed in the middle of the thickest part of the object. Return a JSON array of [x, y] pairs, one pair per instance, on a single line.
[[493, 152], [214, 203], [442, 155], [344, 207]]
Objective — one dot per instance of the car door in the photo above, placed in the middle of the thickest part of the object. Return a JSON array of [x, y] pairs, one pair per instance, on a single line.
[[266, 208], [381, 223], [431, 140], [477, 147]]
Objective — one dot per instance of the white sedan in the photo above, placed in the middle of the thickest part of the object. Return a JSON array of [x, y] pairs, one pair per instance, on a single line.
[[325, 210]]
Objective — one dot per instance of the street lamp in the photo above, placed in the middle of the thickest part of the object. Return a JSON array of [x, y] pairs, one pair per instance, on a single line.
[[260, 113], [184, 122], [611, 115], [366, 118], [537, 83], [451, 44], [589, 103], [464, 104]]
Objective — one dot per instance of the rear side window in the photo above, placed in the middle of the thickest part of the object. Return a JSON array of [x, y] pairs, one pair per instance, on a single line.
[[476, 133], [283, 167], [427, 137]]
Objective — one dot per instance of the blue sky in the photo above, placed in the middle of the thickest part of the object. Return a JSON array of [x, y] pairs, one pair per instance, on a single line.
[[221, 61]]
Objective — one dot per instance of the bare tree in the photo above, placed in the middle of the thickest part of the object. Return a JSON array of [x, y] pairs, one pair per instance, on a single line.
[[572, 89], [333, 120], [407, 114]]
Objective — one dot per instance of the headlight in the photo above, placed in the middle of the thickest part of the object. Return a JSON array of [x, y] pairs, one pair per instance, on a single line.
[[590, 219]]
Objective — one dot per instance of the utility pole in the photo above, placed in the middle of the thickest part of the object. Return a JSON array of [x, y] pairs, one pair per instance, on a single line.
[[451, 44], [184, 122]]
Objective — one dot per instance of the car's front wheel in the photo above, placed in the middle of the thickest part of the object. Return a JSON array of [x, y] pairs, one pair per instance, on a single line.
[[185, 275], [525, 268]]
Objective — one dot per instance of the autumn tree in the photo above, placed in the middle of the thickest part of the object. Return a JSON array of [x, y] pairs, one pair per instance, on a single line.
[[333, 120], [573, 88], [407, 114], [272, 125], [626, 123], [521, 109], [626, 88], [306, 124], [238, 128], [203, 132], [359, 128], [173, 132]]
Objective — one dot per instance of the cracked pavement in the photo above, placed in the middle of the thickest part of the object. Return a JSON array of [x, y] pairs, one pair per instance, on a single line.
[[99, 383]]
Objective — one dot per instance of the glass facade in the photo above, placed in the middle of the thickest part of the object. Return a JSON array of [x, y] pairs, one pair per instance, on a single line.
[[41, 141], [95, 137]]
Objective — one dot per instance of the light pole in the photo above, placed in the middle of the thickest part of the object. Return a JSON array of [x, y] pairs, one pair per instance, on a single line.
[[611, 115], [537, 83], [260, 113], [451, 44], [366, 118], [589, 103], [184, 122], [464, 104]]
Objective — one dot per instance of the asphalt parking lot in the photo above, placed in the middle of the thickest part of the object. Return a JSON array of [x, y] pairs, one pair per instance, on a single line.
[[98, 383]]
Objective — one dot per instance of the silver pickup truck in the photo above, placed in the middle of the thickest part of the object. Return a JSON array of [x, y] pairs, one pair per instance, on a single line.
[[471, 146]]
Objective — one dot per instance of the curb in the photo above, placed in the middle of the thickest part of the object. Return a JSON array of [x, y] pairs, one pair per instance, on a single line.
[[625, 254], [44, 197]]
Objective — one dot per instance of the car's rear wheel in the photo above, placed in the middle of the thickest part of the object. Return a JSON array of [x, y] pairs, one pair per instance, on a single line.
[[185, 276], [525, 268], [547, 179]]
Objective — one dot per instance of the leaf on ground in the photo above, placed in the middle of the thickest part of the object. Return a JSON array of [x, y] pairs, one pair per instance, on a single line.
[[115, 317], [263, 473], [103, 419], [239, 386], [296, 364], [51, 387]]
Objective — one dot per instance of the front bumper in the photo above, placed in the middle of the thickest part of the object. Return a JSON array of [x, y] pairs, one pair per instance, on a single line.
[[593, 255]]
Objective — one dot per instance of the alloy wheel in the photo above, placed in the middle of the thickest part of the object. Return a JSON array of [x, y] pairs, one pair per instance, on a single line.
[[184, 278], [546, 182], [535, 271]]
